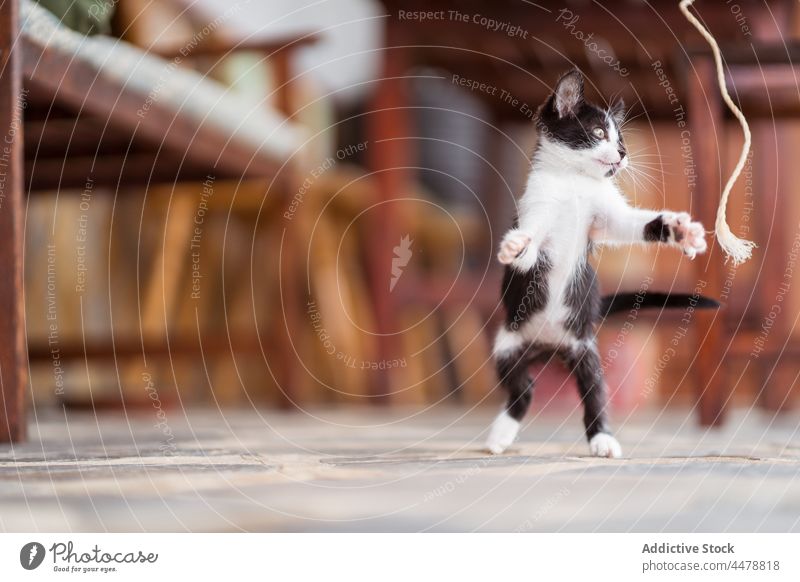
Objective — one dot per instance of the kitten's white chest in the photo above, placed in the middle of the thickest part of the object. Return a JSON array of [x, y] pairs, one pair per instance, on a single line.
[[568, 205], [570, 221]]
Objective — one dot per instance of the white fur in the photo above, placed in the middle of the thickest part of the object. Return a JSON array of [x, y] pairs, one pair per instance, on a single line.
[[503, 432], [605, 445], [506, 342]]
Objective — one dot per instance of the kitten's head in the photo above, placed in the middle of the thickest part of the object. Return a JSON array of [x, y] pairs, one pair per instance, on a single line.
[[580, 133]]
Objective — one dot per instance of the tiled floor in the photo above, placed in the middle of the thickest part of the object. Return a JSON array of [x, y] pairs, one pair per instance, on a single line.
[[401, 471]]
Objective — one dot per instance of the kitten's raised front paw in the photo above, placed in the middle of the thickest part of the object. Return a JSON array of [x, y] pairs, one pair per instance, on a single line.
[[513, 244], [689, 236], [604, 445]]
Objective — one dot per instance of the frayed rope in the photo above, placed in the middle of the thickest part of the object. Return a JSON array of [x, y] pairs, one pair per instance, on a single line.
[[736, 248]]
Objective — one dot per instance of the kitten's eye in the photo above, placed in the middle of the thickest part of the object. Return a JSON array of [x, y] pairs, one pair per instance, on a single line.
[[599, 132]]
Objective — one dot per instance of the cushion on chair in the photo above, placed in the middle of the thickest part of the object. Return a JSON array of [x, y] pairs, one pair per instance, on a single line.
[[166, 83]]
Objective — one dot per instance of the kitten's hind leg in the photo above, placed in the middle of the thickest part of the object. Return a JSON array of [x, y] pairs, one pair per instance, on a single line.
[[512, 356], [584, 362]]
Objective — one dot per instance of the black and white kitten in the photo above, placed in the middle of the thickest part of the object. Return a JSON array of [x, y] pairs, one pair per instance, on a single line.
[[571, 205]]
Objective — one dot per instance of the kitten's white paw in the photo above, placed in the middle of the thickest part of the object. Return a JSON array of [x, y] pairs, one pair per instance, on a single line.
[[514, 242], [689, 236], [604, 445], [502, 434]]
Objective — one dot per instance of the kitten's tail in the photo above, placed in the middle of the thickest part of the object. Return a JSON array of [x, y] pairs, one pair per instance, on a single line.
[[634, 301]]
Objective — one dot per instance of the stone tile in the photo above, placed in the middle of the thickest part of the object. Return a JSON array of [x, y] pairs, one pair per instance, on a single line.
[[398, 470]]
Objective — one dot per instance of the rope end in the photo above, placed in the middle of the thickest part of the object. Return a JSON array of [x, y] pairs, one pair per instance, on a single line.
[[737, 249]]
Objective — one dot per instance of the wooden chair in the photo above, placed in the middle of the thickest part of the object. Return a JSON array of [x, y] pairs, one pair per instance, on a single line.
[[731, 340], [97, 109]]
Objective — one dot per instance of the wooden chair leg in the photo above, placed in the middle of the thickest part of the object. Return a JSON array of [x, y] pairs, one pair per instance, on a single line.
[[294, 294], [13, 354], [389, 158], [706, 129], [776, 379]]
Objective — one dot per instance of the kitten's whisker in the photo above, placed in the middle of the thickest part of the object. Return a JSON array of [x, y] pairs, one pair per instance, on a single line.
[[647, 149], [646, 160], [628, 119], [654, 167], [648, 155], [646, 177], [636, 187], [636, 168]]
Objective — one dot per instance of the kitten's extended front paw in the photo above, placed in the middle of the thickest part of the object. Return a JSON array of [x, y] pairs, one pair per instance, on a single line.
[[689, 236], [604, 445], [513, 244]]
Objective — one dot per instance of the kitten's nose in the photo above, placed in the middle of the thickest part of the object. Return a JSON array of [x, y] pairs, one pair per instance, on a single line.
[[622, 154]]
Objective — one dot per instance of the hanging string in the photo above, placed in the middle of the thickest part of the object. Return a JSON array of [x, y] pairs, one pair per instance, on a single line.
[[736, 248]]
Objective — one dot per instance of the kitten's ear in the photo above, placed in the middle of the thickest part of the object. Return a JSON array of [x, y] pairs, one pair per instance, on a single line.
[[617, 110], [568, 93]]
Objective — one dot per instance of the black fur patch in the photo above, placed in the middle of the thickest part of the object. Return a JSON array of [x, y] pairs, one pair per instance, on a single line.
[[656, 230], [525, 293], [588, 371], [513, 373], [617, 111], [583, 300], [574, 131]]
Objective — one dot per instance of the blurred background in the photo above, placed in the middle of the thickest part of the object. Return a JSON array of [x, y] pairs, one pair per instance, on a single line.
[[297, 204]]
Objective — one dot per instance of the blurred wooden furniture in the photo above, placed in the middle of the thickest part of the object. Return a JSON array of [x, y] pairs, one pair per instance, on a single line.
[[765, 73], [99, 111], [13, 356], [524, 63]]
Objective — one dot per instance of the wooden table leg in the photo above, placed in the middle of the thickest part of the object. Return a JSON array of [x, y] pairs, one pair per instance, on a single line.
[[13, 356], [389, 123], [707, 129]]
